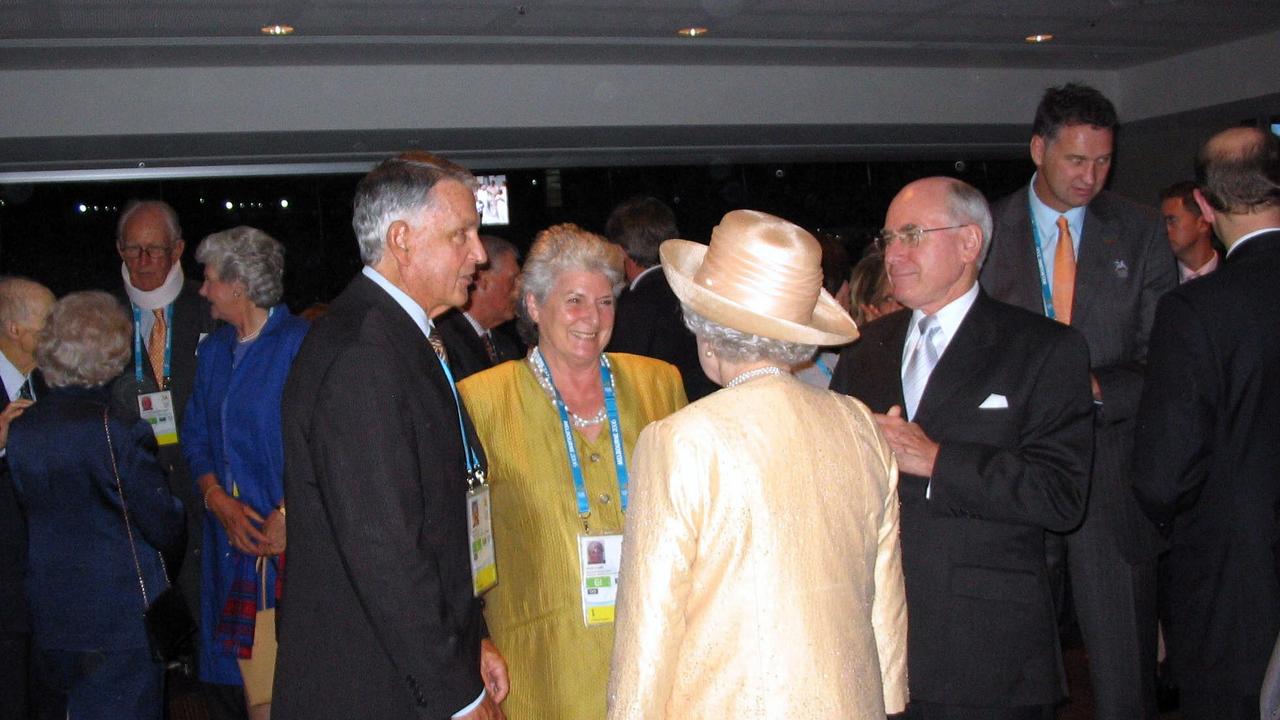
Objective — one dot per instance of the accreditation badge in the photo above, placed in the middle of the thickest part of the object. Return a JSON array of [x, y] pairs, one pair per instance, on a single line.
[[484, 564], [157, 409], [599, 557]]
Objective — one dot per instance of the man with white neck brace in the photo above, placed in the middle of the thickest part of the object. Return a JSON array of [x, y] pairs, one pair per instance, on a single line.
[[170, 318]]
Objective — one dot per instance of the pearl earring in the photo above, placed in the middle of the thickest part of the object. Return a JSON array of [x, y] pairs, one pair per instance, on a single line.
[[707, 353]]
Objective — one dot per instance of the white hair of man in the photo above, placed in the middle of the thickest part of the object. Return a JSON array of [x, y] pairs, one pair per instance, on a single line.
[[166, 211], [966, 204], [397, 189]]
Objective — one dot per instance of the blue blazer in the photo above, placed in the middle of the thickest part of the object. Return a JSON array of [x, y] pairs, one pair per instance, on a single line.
[[81, 580], [231, 428]]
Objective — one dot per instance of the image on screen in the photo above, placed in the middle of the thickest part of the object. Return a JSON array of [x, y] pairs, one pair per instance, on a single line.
[[491, 200]]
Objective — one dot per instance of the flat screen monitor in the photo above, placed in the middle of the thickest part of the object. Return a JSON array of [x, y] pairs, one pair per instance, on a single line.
[[491, 200]]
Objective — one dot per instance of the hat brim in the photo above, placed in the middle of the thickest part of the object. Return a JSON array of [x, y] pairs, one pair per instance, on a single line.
[[830, 325]]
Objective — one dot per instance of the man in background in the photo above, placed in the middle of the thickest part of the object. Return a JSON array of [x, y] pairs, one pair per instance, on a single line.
[[473, 334], [1190, 235]]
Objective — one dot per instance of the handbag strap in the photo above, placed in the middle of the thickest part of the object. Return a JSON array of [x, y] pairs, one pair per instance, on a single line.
[[124, 510]]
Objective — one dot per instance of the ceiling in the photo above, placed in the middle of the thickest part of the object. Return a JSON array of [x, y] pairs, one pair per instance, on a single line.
[[1098, 34]]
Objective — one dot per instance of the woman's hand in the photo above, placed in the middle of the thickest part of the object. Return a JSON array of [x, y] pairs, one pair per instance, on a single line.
[[273, 528], [239, 520]]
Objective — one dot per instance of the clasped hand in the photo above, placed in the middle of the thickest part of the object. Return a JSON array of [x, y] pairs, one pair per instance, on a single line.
[[915, 452]]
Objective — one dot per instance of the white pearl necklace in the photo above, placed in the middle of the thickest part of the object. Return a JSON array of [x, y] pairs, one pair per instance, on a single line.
[[753, 374], [544, 379]]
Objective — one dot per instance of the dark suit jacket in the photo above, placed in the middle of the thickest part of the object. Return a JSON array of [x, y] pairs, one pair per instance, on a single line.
[[649, 323], [1207, 467], [13, 538], [467, 354], [377, 618], [82, 581], [1124, 266], [191, 320], [983, 630]]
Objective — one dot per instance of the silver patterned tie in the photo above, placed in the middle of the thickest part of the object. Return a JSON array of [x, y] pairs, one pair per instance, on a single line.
[[924, 357]]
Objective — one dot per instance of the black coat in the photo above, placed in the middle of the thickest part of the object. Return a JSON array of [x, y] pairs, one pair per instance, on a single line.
[[982, 628], [377, 618], [649, 323], [1207, 467], [467, 353]]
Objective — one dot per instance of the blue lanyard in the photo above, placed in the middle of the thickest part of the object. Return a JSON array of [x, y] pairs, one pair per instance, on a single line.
[[615, 434], [475, 473], [161, 382], [822, 366], [1046, 289]]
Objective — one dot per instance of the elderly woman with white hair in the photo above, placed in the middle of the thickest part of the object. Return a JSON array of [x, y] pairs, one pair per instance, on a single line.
[[762, 564], [231, 438], [91, 572], [558, 428]]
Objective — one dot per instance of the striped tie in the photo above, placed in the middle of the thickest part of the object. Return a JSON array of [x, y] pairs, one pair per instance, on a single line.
[[155, 347], [924, 357]]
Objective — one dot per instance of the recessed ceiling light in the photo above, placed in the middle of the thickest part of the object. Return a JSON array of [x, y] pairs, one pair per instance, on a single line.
[[277, 30], [1040, 38], [692, 32]]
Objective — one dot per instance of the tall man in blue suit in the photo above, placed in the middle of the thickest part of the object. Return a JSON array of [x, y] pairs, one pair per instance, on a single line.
[[1207, 461], [1065, 248], [987, 409]]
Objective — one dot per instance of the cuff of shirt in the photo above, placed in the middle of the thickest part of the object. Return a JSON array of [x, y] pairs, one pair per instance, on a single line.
[[474, 704]]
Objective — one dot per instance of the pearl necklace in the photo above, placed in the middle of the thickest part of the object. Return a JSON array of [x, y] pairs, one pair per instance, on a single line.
[[254, 335], [753, 374], [544, 379]]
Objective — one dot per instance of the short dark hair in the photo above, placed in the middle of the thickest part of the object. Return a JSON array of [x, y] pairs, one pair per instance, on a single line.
[[640, 224], [1185, 191], [1239, 177], [1072, 104]]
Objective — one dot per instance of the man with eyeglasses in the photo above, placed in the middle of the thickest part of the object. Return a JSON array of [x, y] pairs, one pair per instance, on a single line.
[[1067, 249], [169, 320], [987, 409]]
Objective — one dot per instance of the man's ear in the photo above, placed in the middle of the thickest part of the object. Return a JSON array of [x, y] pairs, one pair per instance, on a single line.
[[1037, 149], [1206, 210], [971, 242], [398, 241]]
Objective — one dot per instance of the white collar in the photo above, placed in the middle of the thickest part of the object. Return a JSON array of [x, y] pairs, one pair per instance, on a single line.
[[643, 273], [949, 318], [1185, 273], [11, 375], [416, 313], [1248, 236], [480, 329], [159, 298]]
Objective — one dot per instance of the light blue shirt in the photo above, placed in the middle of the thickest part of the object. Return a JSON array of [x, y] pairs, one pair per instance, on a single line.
[[1046, 227]]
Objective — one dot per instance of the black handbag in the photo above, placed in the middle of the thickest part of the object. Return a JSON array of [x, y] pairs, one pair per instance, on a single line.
[[171, 631]]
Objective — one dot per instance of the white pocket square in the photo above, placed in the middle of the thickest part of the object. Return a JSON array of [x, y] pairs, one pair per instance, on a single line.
[[994, 401]]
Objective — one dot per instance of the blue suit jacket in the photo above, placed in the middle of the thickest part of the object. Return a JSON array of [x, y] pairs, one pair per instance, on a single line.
[[81, 580]]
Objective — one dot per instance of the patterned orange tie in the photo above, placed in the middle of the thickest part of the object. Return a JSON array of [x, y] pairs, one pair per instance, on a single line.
[[155, 347], [1064, 273]]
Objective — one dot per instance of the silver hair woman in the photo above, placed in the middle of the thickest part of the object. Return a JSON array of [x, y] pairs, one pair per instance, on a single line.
[[76, 467], [549, 415], [760, 510], [85, 341], [231, 439]]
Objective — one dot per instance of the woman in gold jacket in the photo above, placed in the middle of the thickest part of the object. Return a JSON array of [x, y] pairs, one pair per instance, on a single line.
[[557, 530], [762, 567]]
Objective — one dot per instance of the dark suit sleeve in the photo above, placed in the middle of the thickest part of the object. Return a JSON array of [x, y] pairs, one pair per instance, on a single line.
[[1121, 383], [156, 513], [1172, 449], [1042, 479], [365, 449]]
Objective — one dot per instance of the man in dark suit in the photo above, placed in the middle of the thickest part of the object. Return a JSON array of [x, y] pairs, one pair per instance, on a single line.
[[378, 619], [24, 305], [1207, 460], [1066, 249], [169, 320], [649, 321], [993, 450], [474, 334]]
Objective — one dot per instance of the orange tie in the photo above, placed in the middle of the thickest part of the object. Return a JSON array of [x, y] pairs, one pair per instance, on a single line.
[[155, 347], [1064, 273]]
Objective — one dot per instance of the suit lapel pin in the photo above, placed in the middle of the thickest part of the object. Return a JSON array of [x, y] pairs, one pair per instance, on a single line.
[[1121, 269]]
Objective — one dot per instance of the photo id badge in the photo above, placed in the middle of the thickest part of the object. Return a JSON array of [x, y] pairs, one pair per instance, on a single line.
[[599, 557], [484, 566], [157, 409]]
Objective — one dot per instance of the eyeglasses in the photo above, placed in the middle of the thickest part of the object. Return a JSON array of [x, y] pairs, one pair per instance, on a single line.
[[909, 235], [154, 252]]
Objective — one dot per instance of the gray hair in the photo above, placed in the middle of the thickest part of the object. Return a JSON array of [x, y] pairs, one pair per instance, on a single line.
[[85, 341], [397, 189], [495, 247], [166, 211], [247, 256], [18, 300], [737, 346], [559, 249], [967, 205]]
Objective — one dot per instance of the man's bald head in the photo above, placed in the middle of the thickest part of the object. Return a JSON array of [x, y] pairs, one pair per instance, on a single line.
[[24, 307]]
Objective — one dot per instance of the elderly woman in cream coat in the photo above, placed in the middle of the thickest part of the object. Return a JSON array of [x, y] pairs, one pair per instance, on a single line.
[[762, 572]]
